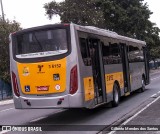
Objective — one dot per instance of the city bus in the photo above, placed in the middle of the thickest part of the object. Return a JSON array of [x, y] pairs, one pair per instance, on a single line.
[[73, 66]]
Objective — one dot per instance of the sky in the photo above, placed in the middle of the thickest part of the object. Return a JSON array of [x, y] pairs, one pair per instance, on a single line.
[[154, 7], [30, 13]]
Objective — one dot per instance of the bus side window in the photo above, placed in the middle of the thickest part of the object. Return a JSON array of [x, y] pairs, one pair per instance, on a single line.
[[115, 53], [132, 54], [85, 51], [111, 53], [135, 54], [106, 53], [141, 55]]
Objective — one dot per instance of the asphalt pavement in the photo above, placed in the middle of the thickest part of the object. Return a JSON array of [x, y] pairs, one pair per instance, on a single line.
[[145, 121]]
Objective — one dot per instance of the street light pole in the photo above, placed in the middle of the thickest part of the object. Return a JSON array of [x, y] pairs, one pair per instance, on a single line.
[[2, 10]]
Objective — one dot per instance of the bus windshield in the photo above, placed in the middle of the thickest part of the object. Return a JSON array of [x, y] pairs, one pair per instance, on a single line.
[[42, 43]]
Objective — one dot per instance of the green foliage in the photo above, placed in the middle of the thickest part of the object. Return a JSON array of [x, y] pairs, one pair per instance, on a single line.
[[82, 12], [126, 17], [129, 18], [6, 27]]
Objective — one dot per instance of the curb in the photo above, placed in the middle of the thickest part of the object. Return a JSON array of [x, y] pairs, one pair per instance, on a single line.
[[154, 71], [4, 102]]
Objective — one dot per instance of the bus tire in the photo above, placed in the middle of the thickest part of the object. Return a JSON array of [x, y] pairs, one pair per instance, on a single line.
[[142, 89], [116, 95]]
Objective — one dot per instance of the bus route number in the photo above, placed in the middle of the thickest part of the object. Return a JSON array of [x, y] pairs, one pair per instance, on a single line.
[[109, 77], [55, 66]]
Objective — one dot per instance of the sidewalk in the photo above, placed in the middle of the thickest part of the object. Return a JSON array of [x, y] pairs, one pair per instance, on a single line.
[[154, 71]]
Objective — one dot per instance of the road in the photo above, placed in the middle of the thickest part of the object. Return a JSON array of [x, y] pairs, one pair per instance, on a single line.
[[105, 115]]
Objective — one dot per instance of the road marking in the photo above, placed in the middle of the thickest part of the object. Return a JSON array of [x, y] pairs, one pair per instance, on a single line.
[[155, 78], [6, 102], [6, 110], [4, 132], [112, 132], [37, 119], [153, 95]]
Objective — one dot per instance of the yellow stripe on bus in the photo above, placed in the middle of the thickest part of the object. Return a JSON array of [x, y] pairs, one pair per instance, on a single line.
[[111, 78], [88, 88]]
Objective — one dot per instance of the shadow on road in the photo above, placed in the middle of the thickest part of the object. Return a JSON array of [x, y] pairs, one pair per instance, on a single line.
[[79, 115]]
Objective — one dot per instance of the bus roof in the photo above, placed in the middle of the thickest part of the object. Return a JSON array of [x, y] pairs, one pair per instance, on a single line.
[[104, 32], [89, 29]]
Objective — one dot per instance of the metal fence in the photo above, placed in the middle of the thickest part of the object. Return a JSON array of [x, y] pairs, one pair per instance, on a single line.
[[154, 64], [5, 90]]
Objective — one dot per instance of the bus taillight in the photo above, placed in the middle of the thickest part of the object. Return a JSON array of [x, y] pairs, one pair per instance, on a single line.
[[15, 85], [73, 80]]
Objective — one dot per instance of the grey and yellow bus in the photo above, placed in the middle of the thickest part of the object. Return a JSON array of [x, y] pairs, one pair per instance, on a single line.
[[72, 66]]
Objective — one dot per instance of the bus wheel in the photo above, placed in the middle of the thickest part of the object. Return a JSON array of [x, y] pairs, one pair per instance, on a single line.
[[116, 96], [143, 85]]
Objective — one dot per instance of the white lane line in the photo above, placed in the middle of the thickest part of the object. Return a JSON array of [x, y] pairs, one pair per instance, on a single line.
[[37, 119], [155, 78], [4, 132], [140, 111], [153, 95], [6, 102], [6, 110], [112, 132]]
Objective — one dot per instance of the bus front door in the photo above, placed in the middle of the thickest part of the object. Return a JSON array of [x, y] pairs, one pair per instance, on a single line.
[[98, 71], [126, 71]]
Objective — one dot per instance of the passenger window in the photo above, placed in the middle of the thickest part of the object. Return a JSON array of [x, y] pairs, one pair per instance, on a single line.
[[106, 53], [83, 47], [141, 55], [111, 54], [115, 53], [135, 54], [85, 51]]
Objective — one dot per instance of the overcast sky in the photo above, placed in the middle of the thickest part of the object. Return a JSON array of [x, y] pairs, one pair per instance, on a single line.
[[31, 13], [154, 7]]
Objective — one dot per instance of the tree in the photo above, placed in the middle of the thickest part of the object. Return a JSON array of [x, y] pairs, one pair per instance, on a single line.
[[6, 27], [82, 12], [126, 17], [131, 18]]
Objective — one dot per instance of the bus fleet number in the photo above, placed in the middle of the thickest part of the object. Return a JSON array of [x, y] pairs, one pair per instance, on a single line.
[[55, 66], [110, 77]]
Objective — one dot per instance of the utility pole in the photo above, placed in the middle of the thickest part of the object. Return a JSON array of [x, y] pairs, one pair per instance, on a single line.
[[2, 10]]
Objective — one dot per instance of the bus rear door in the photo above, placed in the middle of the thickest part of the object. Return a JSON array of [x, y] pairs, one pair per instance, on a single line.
[[98, 70], [126, 71]]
